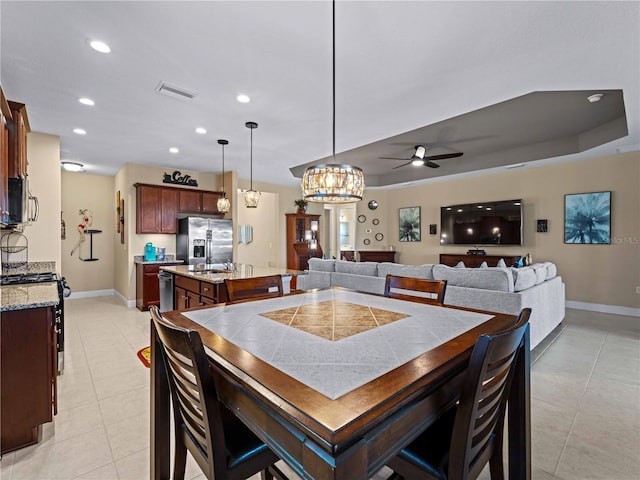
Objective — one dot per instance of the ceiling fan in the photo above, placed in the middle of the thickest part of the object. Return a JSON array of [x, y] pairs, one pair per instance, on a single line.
[[419, 158]]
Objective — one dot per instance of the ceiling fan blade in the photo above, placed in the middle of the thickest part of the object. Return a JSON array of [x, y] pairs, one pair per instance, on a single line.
[[427, 163], [392, 158], [443, 156], [403, 165]]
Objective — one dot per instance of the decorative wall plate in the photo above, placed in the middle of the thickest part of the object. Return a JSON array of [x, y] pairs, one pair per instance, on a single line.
[[379, 237], [362, 218], [375, 221], [366, 241]]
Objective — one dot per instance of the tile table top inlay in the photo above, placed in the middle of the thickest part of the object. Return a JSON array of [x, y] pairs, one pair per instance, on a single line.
[[370, 335]]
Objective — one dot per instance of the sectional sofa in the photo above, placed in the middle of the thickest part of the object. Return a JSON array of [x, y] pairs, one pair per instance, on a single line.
[[496, 289]]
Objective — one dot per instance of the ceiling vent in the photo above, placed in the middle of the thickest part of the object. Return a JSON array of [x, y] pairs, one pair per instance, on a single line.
[[175, 92]]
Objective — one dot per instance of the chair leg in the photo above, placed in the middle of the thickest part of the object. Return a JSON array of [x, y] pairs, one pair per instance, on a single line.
[[272, 473], [496, 467], [180, 459]]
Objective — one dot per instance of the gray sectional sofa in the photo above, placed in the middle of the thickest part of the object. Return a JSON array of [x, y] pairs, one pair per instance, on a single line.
[[496, 289]]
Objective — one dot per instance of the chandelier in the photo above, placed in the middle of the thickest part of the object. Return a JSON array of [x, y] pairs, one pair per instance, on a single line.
[[223, 202], [333, 183], [251, 197]]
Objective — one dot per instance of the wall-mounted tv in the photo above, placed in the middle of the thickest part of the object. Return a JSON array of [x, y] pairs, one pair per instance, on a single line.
[[482, 223]]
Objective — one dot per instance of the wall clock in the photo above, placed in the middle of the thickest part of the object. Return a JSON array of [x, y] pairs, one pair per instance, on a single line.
[[362, 218]]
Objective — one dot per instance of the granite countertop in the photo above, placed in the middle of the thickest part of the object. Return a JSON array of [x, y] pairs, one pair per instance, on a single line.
[[30, 267], [242, 271], [31, 295], [170, 260]]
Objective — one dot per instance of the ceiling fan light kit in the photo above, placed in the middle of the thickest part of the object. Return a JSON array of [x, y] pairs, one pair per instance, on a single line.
[[333, 183], [418, 158], [223, 202], [251, 197]]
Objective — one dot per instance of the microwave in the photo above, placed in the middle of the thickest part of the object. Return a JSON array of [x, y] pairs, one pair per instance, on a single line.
[[19, 201]]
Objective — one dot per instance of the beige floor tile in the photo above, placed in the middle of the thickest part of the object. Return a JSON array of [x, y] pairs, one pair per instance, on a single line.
[[108, 472], [125, 405], [135, 466], [128, 436]]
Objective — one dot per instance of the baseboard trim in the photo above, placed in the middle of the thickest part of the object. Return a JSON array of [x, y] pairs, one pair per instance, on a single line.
[[103, 293], [92, 293], [598, 307]]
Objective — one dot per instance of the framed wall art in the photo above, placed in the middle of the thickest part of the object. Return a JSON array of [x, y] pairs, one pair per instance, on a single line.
[[587, 218], [409, 222]]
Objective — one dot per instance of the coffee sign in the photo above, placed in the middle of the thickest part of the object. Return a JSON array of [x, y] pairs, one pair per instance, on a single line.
[[178, 179]]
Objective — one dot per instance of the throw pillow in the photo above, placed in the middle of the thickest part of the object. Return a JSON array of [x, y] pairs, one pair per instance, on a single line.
[[501, 263], [483, 265], [460, 264]]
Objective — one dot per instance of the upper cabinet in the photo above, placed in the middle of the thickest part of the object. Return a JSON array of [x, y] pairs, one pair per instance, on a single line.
[[5, 118], [197, 201], [18, 129], [157, 207]]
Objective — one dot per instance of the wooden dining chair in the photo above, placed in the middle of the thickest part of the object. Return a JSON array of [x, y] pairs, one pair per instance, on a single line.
[[470, 434], [240, 289], [436, 288], [221, 444]]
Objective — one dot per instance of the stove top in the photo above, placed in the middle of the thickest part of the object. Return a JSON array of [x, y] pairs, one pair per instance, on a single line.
[[28, 278]]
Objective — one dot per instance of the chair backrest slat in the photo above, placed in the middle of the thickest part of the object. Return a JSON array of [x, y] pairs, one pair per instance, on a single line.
[[240, 289], [403, 287]]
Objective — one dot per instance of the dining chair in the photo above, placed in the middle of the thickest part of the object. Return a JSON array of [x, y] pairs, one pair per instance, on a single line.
[[436, 288], [470, 434], [221, 444], [239, 289]]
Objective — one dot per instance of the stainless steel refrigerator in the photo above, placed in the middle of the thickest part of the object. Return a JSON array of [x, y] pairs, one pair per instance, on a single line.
[[204, 240]]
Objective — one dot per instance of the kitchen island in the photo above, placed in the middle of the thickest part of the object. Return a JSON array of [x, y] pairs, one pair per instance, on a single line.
[[197, 287]]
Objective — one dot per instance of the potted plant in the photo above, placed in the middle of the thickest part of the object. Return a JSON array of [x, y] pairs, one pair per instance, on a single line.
[[301, 203]]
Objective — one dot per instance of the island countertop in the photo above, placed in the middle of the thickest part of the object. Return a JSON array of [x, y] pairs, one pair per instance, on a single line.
[[31, 295], [241, 271]]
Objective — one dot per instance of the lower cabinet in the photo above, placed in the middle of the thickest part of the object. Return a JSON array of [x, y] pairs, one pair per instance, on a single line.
[[28, 375], [190, 293], [148, 285]]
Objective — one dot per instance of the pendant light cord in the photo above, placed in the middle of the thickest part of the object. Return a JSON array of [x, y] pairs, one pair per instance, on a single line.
[[222, 170], [251, 166], [334, 77]]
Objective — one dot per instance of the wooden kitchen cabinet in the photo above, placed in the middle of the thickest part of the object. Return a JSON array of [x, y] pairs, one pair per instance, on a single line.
[[190, 293], [18, 129], [198, 201], [5, 117], [148, 285], [28, 375], [156, 209]]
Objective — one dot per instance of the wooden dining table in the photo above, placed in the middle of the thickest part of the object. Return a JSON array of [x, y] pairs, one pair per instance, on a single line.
[[337, 382]]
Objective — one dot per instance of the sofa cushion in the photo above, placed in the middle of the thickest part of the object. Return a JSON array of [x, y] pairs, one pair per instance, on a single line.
[[388, 268], [500, 279], [420, 271], [523, 278], [320, 265], [541, 272], [552, 270], [357, 268]]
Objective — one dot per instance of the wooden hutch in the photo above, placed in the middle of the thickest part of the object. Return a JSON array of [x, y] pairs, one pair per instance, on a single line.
[[299, 244]]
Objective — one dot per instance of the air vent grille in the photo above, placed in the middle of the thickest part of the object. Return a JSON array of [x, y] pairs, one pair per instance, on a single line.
[[175, 92]]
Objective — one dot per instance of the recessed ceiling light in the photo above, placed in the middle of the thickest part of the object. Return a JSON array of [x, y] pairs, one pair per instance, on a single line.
[[596, 97], [86, 101], [488, 208], [479, 206], [174, 150], [99, 46], [242, 98], [79, 131], [201, 130], [72, 166]]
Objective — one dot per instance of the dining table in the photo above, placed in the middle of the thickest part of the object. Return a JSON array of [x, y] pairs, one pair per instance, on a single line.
[[336, 382]]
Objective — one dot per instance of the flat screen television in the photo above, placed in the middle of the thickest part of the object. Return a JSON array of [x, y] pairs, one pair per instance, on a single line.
[[482, 223]]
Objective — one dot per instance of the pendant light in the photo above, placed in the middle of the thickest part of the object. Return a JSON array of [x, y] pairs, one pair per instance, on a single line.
[[251, 197], [223, 202], [333, 183]]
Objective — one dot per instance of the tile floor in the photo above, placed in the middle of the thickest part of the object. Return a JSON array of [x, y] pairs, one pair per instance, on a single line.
[[585, 388]]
